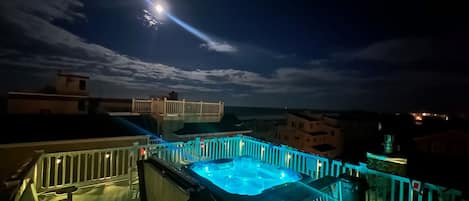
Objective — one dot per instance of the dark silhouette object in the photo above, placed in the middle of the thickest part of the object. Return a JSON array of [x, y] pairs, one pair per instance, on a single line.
[[68, 190], [173, 95]]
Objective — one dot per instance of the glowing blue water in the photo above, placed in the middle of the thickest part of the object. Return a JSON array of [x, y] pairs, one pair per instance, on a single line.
[[244, 176]]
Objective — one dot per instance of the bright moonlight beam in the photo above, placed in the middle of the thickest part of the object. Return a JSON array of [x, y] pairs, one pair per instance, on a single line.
[[159, 8]]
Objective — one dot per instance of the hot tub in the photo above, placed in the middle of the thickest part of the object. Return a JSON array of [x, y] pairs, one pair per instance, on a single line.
[[244, 175]]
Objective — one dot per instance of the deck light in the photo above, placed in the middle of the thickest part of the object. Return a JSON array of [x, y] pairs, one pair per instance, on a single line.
[[107, 155], [58, 161]]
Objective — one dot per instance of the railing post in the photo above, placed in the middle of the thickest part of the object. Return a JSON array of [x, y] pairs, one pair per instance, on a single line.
[[201, 107], [151, 105], [183, 106], [220, 108], [164, 106], [133, 105]]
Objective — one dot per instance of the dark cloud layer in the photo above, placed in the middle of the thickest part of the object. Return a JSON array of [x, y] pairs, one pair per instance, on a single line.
[[394, 74]]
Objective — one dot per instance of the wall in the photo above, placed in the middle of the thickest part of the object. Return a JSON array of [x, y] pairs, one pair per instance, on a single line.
[[36, 106], [305, 141], [115, 105], [66, 84]]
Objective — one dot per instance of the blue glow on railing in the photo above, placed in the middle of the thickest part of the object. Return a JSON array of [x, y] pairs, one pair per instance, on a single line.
[[154, 136]]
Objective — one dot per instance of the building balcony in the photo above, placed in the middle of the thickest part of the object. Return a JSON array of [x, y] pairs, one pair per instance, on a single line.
[[103, 174], [189, 111]]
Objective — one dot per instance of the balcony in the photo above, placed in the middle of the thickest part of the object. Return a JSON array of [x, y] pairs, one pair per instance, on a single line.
[[189, 111], [107, 172]]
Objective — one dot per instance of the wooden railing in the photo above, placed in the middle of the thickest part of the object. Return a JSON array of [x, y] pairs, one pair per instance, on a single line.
[[165, 107], [81, 168]]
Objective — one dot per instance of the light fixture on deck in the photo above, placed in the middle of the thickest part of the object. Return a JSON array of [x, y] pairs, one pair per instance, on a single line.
[[58, 160], [107, 155]]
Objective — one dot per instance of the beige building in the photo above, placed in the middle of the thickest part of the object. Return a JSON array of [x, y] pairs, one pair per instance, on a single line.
[[41, 103], [312, 133], [68, 96], [71, 84]]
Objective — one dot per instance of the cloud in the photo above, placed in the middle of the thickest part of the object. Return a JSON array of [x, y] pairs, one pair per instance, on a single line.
[[407, 50], [317, 62], [149, 20], [219, 47], [65, 50]]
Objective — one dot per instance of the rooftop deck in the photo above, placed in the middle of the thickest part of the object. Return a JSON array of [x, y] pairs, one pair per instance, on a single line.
[[115, 169], [189, 111]]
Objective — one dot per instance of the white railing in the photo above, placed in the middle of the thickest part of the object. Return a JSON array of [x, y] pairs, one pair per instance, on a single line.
[[165, 107], [383, 186], [81, 168]]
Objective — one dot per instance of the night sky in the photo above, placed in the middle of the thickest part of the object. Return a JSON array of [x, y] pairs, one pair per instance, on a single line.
[[370, 55]]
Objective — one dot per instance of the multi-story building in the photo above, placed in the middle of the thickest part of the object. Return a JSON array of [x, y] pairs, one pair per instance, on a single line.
[[69, 95], [313, 134]]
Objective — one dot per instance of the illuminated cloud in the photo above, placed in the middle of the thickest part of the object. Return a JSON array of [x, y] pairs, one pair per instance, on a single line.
[[219, 47], [149, 20]]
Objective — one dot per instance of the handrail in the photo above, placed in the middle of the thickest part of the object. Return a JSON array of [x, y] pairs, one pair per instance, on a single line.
[[103, 165], [165, 107]]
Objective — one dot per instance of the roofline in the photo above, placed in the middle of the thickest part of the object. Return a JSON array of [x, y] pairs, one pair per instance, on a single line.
[[55, 142], [213, 134], [73, 75], [303, 116], [44, 94]]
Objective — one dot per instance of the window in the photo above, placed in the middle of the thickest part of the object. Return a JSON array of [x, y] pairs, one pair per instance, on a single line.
[[81, 105], [293, 124], [301, 125], [311, 125], [82, 85]]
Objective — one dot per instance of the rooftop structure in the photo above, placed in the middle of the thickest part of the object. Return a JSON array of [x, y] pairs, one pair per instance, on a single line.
[[103, 174]]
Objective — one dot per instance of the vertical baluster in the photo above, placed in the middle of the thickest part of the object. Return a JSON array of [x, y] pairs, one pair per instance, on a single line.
[[72, 158], [92, 165], [85, 172], [430, 195], [48, 171], [411, 195], [393, 189], [123, 161], [64, 168], [79, 168], [105, 161], [401, 191], [98, 175], [56, 171], [111, 164], [40, 173]]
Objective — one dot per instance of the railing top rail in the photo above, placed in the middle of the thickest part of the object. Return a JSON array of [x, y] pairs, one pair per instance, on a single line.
[[86, 151], [144, 100]]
